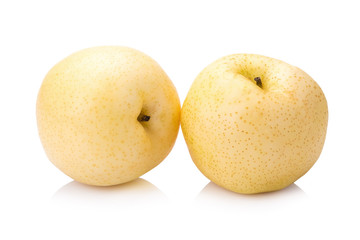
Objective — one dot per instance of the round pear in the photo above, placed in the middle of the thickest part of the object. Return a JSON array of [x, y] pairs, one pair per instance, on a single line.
[[253, 123], [107, 115]]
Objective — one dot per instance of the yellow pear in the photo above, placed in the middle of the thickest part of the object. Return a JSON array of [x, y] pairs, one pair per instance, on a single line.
[[253, 123], [107, 115]]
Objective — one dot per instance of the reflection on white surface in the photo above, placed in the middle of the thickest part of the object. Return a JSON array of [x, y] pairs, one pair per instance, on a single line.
[[212, 194], [134, 193]]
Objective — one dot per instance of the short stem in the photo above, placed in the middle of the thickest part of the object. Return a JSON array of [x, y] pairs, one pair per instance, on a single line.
[[258, 82], [143, 118]]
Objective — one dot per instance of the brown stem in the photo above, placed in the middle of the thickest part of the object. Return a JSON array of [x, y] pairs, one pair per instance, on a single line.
[[258, 82], [143, 118]]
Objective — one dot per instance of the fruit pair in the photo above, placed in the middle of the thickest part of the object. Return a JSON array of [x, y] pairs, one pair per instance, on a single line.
[[107, 115]]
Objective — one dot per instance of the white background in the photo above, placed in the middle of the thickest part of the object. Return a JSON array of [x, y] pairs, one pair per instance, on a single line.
[[174, 200]]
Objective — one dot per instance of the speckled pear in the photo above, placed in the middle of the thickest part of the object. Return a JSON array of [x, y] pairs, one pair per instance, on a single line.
[[254, 124], [107, 115]]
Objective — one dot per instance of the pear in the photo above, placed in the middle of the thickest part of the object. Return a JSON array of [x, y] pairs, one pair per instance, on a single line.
[[254, 124]]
